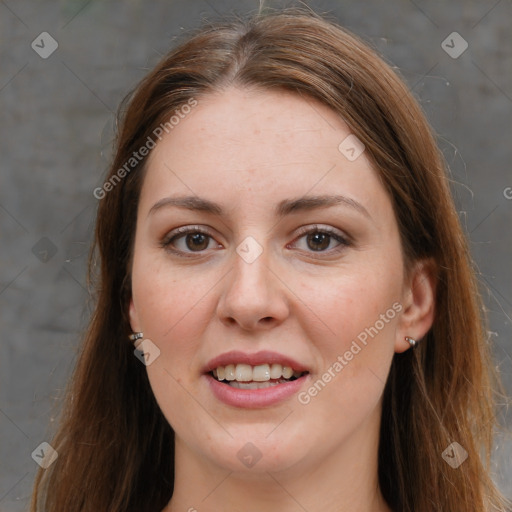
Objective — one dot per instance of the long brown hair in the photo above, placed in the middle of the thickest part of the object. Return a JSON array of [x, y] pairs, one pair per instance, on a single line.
[[115, 446]]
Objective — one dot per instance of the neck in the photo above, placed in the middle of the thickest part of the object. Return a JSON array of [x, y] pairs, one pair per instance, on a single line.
[[343, 480]]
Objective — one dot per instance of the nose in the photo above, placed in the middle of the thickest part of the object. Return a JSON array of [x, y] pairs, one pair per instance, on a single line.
[[254, 297]]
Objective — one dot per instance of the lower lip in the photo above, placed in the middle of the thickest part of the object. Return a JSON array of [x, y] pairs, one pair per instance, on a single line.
[[254, 398]]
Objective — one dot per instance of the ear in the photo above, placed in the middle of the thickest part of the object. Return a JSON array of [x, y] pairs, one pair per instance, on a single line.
[[418, 300], [134, 317]]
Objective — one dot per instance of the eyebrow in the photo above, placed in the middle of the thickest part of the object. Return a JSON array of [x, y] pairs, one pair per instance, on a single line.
[[315, 202], [285, 207]]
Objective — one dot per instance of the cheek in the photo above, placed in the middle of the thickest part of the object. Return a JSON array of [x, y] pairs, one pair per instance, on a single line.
[[351, 323], [171, 304], [342, 309], [174, 308]]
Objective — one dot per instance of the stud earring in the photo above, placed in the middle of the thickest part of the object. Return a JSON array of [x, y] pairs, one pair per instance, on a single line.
[[136, 336], [411, 341]]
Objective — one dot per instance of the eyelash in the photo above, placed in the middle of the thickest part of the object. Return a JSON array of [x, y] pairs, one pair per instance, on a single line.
[[178, 233]]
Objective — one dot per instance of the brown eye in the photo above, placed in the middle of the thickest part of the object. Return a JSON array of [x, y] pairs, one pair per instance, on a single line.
[[197, 241], [188, 240], [318, 241], [325, 240]]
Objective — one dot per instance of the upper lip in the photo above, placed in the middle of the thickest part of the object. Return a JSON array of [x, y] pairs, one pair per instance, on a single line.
[[254, 359]]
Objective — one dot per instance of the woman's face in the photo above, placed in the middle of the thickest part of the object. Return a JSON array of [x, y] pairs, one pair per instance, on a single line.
[[268, 272]]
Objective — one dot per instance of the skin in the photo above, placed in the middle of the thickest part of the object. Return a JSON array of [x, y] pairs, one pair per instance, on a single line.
[[247, 151]]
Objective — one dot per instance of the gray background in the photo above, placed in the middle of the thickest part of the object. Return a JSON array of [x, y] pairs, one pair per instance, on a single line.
[[56, 130]]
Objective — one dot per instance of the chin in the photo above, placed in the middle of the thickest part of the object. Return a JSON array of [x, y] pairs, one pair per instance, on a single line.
[[257, 450]]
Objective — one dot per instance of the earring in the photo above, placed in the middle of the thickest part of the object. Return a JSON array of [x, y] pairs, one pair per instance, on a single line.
[[136, 336], [411, 341]]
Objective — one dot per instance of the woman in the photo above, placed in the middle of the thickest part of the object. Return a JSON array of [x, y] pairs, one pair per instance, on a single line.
[[277, 238]]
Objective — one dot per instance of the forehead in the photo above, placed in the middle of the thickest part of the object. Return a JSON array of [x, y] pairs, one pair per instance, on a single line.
[[261, 123], [260, 146]]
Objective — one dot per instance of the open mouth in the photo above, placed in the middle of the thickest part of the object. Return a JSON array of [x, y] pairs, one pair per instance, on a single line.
[[245, 376]]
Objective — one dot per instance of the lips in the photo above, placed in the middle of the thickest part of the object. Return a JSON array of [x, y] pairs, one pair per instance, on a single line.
[[254, 380]]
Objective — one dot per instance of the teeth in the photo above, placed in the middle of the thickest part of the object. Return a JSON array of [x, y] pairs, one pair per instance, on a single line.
[[276, 370], [254, 385], [243, 373], [287, 372], [229, 372], [262, 373]]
